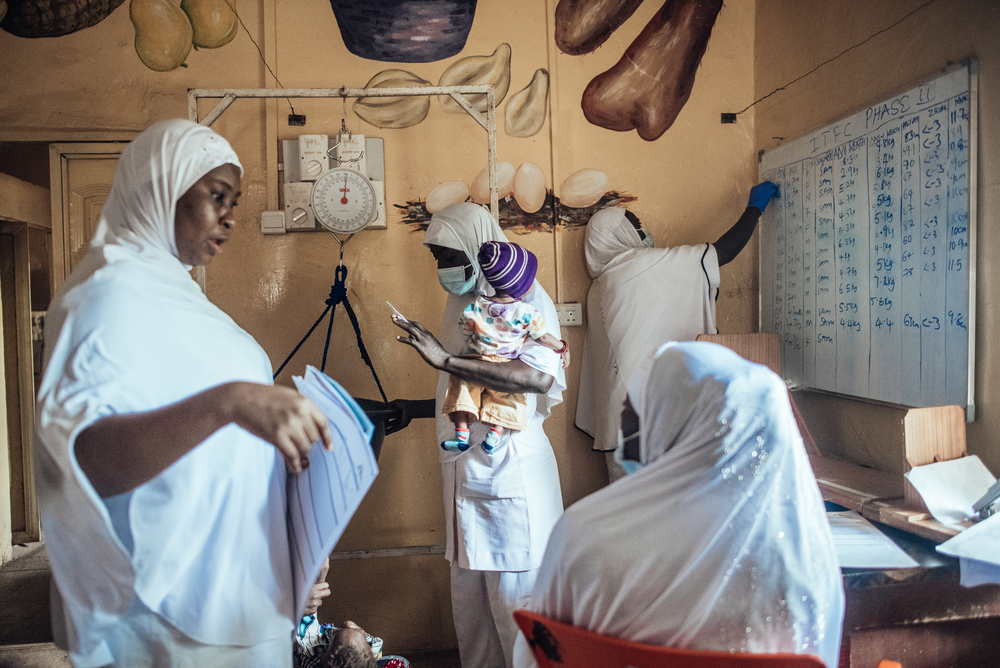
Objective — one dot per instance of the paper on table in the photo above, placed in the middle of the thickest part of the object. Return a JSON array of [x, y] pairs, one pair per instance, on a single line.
[[949, 489], [323, 498], [860, 544], [981, 541], [978, 549]]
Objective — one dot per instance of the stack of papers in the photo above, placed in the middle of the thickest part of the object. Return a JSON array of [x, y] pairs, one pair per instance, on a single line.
[[978, 549], [949, 489], [323, 498], [860, 544]]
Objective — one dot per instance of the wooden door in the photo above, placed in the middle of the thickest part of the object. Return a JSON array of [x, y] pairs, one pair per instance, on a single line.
[[82, 174], [18, 378], [81, 177]]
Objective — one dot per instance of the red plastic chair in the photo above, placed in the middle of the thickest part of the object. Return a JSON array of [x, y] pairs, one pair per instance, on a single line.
[[556, 645]]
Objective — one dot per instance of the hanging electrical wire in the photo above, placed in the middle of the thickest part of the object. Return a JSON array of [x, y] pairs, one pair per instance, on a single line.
[[826, 62], [239, 18]]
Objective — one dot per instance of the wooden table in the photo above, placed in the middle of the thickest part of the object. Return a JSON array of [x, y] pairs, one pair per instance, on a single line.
[[921, 617]]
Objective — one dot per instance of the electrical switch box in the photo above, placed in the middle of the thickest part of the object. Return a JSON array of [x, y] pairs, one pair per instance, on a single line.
[[272, 222], [351, 153], [313, 157], [298, 207]]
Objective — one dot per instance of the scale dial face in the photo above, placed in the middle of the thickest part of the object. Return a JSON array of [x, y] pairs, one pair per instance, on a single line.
[[343, 200]]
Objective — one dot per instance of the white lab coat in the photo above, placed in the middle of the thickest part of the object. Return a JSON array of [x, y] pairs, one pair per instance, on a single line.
[[499, 508]]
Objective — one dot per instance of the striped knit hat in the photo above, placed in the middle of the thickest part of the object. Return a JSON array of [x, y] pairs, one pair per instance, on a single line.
[[508, 267]]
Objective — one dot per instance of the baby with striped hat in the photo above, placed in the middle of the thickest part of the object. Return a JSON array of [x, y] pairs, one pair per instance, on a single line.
[[496, 328]]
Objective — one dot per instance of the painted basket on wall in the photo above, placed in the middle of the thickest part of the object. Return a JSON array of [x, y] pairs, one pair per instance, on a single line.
[[404, 31], [54, 18]]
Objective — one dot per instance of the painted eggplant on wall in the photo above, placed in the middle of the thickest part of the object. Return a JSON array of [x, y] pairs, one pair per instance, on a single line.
[[404, 31]]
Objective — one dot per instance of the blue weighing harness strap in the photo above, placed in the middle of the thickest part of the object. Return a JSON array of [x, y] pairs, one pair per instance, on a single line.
[[338, 295]]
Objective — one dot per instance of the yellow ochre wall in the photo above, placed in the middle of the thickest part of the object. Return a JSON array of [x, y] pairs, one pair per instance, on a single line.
[[794, 38], [691, 185]]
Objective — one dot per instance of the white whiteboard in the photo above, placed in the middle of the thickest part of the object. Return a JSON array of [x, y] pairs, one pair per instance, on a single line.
[[867, 258]]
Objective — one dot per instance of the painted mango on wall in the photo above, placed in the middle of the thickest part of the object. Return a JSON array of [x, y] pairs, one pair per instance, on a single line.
[[164, 32]]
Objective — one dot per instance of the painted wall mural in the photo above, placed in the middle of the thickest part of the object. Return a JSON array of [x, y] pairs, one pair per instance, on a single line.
[[649, 85], [524, 114], [421, 31], [394, 112], [404, 31], [525, 204], [53, 18], [165, 33], [550, 215]]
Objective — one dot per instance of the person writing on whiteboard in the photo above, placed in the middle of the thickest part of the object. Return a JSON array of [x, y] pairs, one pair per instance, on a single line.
[[160, 437], [499, 506], [641, 297]]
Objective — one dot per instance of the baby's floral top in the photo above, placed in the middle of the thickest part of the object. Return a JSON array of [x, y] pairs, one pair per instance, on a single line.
[[492, 328]]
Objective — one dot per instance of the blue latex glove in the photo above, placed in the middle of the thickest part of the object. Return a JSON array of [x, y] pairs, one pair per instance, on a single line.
[[762, 193]]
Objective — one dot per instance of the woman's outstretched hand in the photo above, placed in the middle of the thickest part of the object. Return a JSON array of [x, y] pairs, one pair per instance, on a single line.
[[120, 452], [281, 416], [422, 341]]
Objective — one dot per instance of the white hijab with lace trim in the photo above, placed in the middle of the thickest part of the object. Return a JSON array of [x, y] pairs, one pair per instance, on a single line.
[[130, 331], [720, 541]]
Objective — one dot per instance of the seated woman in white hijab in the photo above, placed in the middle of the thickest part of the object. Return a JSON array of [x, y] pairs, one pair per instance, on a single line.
[[159, 437], [641, 297], [719, 541]]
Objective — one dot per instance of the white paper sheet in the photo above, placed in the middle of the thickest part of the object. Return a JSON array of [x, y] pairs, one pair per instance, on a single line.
[[981, 541], [323, 498], [860, 544], [975, 572], [949, 489]]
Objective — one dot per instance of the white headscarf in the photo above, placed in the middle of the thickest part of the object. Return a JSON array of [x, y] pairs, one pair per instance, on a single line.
[[465, 227], [130, 331], [609, 234], [720, 541], [183, 150], [640, 298]]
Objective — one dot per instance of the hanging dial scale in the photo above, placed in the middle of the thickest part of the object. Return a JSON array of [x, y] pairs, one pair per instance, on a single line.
[[343, 199]]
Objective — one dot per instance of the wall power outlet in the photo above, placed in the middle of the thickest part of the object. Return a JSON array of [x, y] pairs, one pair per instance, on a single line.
[[570, 314]]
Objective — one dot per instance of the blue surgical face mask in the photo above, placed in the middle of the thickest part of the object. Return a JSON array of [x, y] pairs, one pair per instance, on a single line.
[[630, 465], [647, 238], [453, 280]]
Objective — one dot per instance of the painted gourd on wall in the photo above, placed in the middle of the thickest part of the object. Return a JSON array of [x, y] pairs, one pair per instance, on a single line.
[[644, 91]]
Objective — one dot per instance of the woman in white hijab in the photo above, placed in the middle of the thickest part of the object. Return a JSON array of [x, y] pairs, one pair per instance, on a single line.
[[159, 437], [719, 541], [642, 297], [499, 507]]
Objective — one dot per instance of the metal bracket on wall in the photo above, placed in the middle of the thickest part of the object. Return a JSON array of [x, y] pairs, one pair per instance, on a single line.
[[227, 96]]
